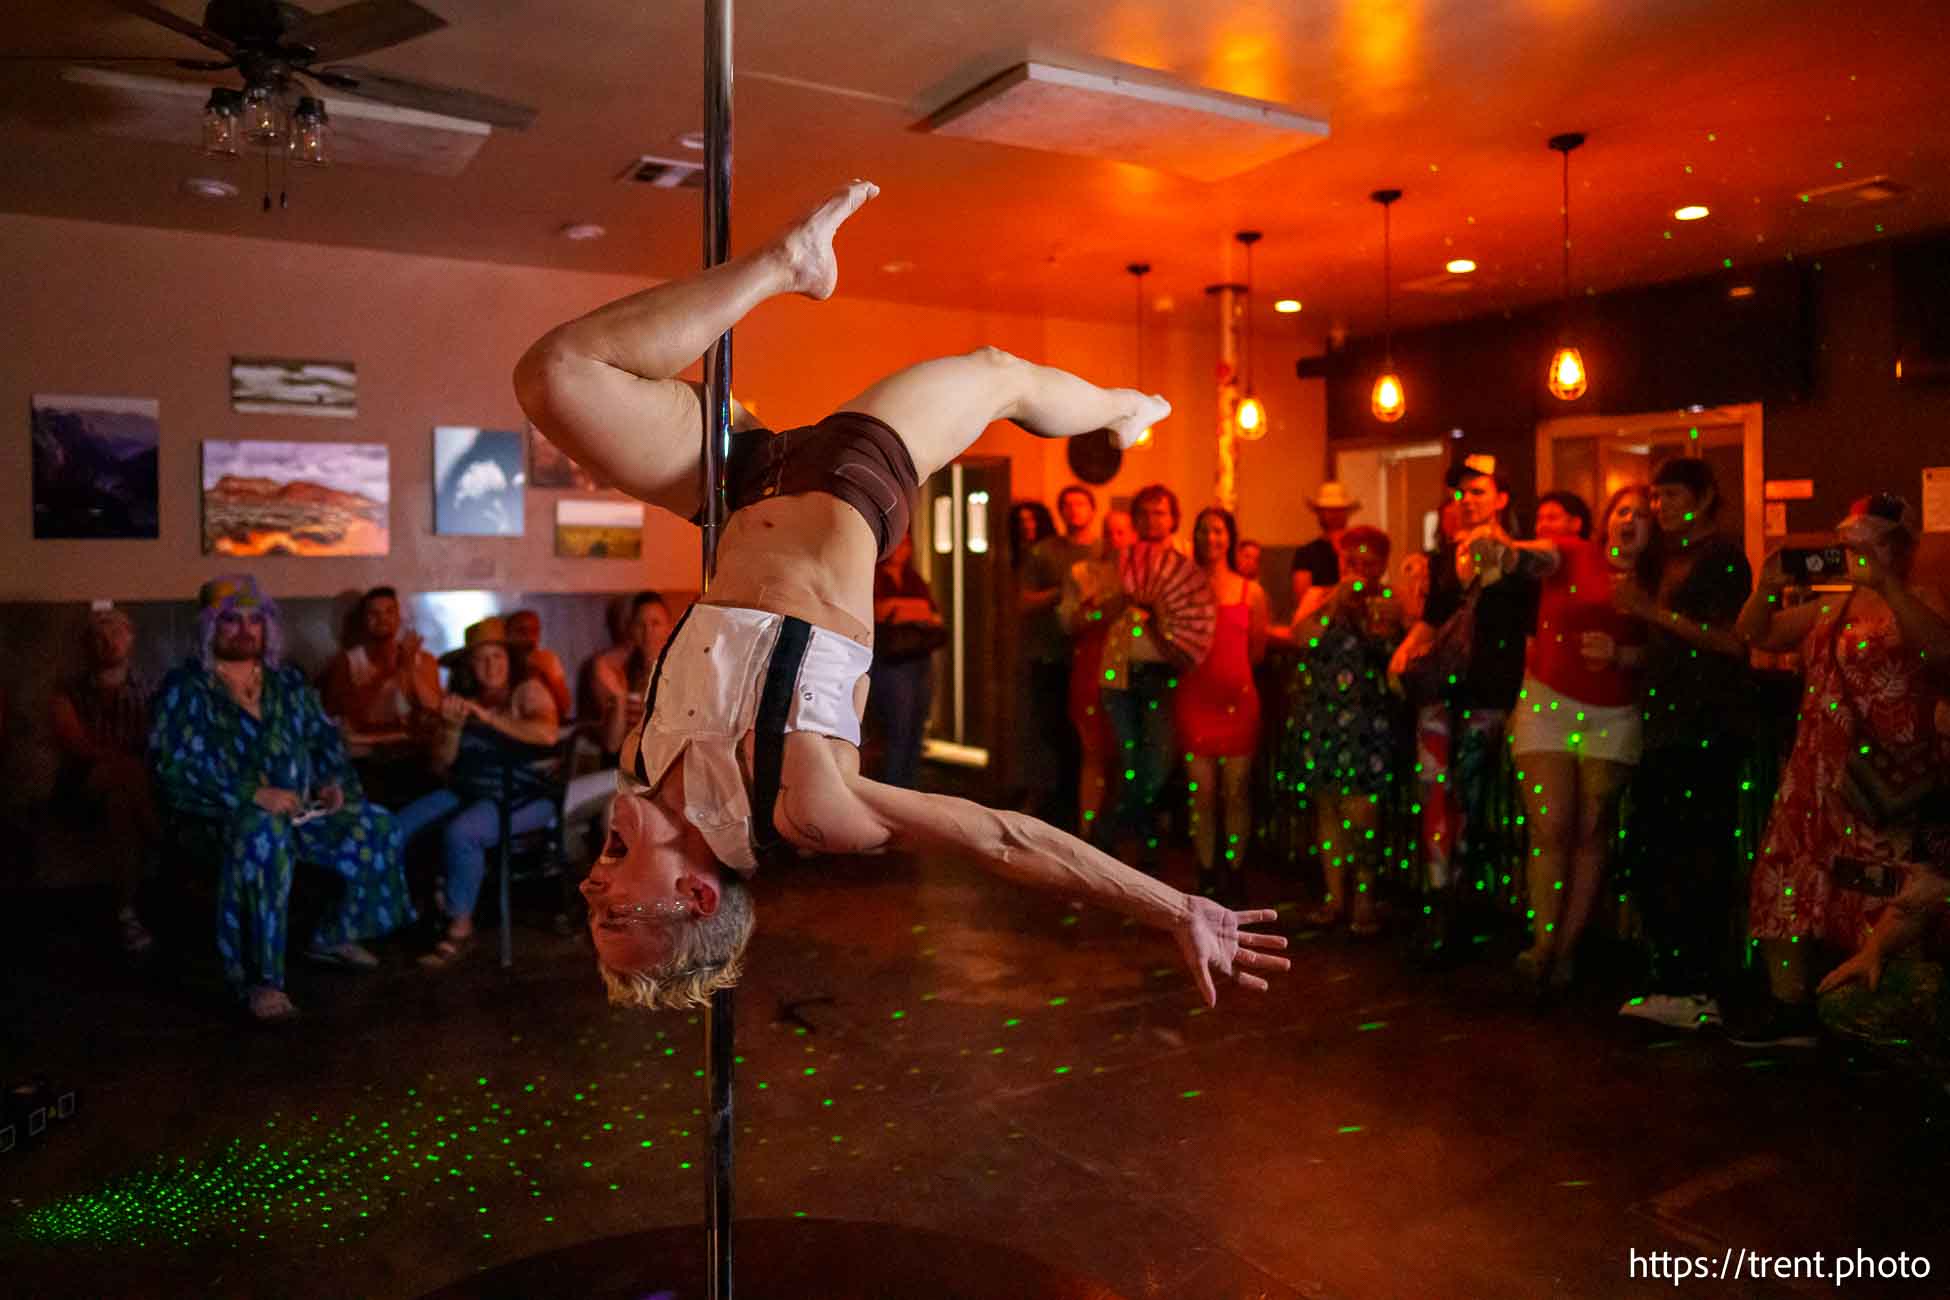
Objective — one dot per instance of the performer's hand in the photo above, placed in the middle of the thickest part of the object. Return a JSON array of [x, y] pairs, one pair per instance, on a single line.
[[332, 796], [1215, 948], [279, 803]]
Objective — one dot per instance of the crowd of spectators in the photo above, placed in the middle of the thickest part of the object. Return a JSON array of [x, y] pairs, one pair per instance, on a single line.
[[1572, 714]]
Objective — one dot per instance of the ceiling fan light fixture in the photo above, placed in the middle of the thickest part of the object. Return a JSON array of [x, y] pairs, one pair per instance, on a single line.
[[223, 122], [310, 130], [263, 112]]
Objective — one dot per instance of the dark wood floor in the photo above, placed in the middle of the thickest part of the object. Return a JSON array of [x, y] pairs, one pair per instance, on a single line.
[[964, 1065]]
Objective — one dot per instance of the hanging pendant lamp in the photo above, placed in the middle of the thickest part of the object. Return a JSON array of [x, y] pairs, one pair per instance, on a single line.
[[1567, 378], [1138, 271], [1249, 417], [1388, 402]]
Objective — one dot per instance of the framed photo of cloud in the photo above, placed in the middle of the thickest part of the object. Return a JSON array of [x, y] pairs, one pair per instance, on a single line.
[[599, 529], [478, 481], [295, 498], [95, 466], [277, 386]]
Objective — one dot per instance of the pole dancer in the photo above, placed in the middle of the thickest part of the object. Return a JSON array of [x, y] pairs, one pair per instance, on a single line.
[[749, 746]]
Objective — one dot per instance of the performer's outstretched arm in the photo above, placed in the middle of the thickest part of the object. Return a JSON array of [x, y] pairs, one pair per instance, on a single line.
[[1029, 852]]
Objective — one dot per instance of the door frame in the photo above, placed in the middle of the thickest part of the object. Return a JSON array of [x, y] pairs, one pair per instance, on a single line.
[[1642, 425]]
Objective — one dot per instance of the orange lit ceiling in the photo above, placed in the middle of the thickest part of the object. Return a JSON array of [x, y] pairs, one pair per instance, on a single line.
[[1737, 106]]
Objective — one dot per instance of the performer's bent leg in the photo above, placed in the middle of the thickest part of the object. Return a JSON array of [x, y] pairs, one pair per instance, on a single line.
[[939, 407], [603, 387]]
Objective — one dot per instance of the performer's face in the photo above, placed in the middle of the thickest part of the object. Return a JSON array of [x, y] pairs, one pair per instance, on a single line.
[[1480, 500], [656, 872], [490, 665]]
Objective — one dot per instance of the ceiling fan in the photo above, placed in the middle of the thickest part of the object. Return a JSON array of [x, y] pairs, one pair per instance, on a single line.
[[275, 46]]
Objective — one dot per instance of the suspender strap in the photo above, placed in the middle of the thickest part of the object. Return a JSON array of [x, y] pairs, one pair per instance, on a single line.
[[650, 695], [768, 731]]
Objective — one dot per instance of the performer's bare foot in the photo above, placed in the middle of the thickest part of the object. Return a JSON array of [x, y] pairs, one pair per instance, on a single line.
[[1127, 430], [807, 246]]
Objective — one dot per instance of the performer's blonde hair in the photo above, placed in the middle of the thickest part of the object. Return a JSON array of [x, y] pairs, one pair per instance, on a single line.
[[709, 955]]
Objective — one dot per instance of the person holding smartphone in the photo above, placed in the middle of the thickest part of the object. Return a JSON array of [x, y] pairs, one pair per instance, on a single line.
[[1575, 733], [1872, 658]]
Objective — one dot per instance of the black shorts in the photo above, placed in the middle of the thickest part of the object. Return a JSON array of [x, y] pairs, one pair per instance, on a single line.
[[850, 455]]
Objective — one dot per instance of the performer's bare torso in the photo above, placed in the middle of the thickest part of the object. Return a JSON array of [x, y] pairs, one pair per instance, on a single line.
[[811, 557]]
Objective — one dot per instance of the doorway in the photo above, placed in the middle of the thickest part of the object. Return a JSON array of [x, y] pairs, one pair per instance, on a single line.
[[1595, 455], [1400, 490]]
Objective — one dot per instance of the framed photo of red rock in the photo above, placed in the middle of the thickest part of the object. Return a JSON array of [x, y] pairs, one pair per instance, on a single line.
[[295, 498]]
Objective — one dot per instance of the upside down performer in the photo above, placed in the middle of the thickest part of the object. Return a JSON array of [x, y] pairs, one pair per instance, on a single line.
[[749, 747]]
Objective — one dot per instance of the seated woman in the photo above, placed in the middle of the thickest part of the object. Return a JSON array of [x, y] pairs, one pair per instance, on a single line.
[[491, 689], [1575, 733], [750, 743]]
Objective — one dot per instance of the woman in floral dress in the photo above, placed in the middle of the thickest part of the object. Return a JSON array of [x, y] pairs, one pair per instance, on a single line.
[[1871, 659], [1343, 740]]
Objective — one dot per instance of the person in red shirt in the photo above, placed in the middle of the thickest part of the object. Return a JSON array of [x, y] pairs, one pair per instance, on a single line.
[[1575, 732]]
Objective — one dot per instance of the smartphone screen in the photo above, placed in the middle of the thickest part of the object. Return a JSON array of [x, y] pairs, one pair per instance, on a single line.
[[1807, 565]]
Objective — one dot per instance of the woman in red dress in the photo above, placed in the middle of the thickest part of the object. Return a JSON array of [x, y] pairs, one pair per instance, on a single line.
[[1217, 706], [1870, 661]]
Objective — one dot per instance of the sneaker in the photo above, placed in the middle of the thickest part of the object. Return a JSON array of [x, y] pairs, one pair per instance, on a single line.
[[1674, 1011], [1782, 1025]]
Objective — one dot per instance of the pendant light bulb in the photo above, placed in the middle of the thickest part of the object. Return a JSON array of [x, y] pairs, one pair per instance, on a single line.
[[1251, 419], [1567, 374], [1388, 401], [1249, 416], [1138, 271], [1567, 377]]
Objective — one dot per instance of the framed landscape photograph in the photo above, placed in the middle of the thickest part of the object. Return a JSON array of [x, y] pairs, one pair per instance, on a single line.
[[95, 466], [295, 498], [599, 529], [278, 386], [477, 482]]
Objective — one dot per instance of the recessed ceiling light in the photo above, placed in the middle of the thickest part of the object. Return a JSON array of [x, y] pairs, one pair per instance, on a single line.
[[1691, 212], [582, 230], [209, 187], [1741, 291], [1460, 266], [1287, 306], [692, 140], [900, 267]]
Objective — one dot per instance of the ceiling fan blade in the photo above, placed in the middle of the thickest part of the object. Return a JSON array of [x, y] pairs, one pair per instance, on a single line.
[[448, 101], [195, 31], [198, 64], [361, 27]]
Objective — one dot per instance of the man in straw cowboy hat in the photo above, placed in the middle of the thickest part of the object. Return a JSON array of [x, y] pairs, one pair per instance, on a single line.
[[1317, 565]]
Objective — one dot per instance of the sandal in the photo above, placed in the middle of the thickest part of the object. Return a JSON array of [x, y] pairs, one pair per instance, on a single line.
[[269, 1006], [448, 951]]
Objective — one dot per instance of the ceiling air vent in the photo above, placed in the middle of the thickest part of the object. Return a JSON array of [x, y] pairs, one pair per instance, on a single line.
[[665, 173], [1129, 115], [1855, 194]]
